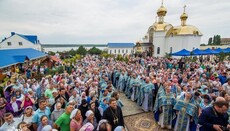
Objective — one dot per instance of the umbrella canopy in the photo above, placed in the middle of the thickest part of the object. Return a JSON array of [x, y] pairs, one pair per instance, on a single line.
[[227, 50], [182, 52], [199, 52], [219, 50], [211, 52]]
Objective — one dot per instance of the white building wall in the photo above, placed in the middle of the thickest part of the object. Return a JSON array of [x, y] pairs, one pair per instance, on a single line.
[[188, 42], [159, 41], [116, 51], [15, 39]]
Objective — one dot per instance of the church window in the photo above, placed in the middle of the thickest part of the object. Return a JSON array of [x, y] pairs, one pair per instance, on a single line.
[[170, 50], [9, 43], [123, 51], [158, 50], [115, 51], [110, 51], [118, 51], [126, 50], [20, 43]]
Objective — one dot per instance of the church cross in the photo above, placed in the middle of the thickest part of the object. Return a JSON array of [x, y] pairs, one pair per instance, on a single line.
[[184, 8]]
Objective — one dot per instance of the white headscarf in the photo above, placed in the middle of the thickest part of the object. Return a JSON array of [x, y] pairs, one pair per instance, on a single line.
[[88, 113], [46, 128], [119, 128], [100, 122], [87, 127], [73, 113]]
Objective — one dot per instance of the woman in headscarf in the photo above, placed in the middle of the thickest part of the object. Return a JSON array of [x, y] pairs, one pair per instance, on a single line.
[[19, 95], [76, 120], [27, 117], [104, 125], [83, 96], [90, 118], [44, 122], [57, 112], [14, 106], [27, 101], [87, 127], [205, 102], [60, 100]]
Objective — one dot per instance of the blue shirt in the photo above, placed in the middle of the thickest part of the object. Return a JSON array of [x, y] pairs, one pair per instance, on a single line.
[[209, 117], [38, 114]]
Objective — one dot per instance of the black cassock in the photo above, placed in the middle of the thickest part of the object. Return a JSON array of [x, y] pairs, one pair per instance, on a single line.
[[115, 117]]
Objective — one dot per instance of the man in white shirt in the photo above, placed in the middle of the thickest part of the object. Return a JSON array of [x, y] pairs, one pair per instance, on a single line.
[[10, 123]]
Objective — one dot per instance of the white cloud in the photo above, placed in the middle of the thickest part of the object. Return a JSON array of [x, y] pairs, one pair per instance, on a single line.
[[102, 21]]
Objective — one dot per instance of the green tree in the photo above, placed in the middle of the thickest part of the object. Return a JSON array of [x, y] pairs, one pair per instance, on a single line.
[[72, 52], [218, 39], [51, 53], [94, 51], [105, 55], [214, 40], [210, 41], [81, 50], [120, 57]]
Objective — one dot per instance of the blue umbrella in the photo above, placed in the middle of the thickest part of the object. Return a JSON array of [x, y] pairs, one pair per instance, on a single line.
[[211, 52], [199, 52], [227, 50], [182, 52], [219, 50]]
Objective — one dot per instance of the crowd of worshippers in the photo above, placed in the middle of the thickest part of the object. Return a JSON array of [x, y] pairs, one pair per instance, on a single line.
[[83, 100], [183, 95]]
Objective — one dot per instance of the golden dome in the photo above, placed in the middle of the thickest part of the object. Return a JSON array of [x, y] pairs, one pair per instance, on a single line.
[[185, 30], [184, 16], [159, 26], [161, 11]]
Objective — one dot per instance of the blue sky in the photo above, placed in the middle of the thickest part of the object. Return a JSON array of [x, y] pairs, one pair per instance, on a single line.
[[103, 21]]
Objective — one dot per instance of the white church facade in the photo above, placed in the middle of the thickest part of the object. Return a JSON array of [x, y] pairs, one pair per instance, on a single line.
[[163, 38]]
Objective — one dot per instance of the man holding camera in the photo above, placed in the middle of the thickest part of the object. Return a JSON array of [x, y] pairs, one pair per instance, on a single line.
[[215, 118]]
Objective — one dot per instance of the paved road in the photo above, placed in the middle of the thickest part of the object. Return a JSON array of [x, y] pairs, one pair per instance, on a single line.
[[131, 108]]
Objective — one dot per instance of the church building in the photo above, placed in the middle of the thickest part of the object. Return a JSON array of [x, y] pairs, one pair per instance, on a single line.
[[163, 38]]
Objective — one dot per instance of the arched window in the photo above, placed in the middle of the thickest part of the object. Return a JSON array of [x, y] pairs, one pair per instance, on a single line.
[[110, 51], [170, 50], [126, 50], [158, 50], [115, 51], [118, 51], [123, 51]]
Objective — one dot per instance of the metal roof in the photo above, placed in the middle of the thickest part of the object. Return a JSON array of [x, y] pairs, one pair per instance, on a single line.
[[10, 57], [121, 45]]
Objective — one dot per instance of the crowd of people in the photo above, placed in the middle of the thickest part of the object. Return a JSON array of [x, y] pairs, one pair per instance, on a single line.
[[183, 95]]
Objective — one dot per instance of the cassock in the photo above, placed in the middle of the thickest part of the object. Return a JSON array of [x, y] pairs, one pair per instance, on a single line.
[[115, 117]]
